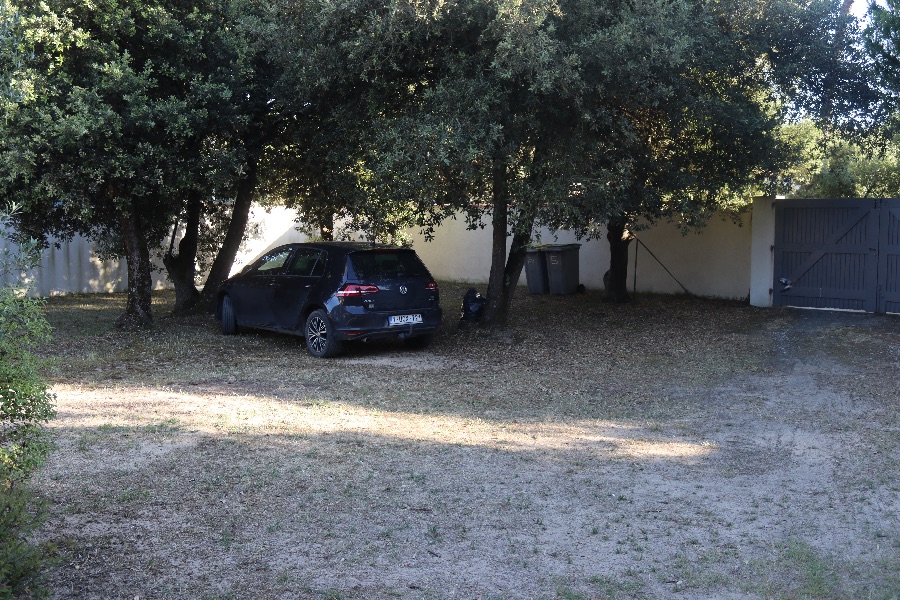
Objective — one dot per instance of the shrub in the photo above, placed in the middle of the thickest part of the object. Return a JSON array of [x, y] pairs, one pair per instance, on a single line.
[[20, 560], [25, 407], [25, 403]]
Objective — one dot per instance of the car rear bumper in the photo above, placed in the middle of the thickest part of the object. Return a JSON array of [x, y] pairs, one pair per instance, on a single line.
[[357, 324], [398, 332]]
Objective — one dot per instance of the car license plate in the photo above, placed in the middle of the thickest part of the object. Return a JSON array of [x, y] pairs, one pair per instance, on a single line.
[[404, 319]]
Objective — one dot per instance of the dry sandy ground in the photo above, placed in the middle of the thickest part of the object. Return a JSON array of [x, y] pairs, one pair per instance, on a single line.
[[666, 451]]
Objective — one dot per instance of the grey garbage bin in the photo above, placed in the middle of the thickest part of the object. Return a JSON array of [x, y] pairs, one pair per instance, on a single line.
[[562, 268], [536, 271]]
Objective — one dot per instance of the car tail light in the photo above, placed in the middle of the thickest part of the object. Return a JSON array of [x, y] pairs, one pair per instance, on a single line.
[[431, 286], [352, 290]]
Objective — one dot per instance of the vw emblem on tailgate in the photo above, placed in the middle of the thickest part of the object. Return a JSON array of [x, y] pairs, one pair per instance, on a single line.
[[403, 289]]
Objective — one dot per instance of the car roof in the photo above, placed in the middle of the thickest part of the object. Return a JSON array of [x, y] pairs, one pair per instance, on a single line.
[[346, 247]]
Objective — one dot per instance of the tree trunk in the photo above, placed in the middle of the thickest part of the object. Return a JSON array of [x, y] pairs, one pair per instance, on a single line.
[[182, 267], [518, 253], [224, 260], [505, 270], [495, 309], [138, 311], [617, 281]]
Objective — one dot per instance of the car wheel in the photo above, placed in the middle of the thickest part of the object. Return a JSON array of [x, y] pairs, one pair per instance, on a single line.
[[229, 320], [419, 342], [320, 336]]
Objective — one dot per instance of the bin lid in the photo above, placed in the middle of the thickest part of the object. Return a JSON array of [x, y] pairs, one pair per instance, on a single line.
[[546, 247], [558, 247]]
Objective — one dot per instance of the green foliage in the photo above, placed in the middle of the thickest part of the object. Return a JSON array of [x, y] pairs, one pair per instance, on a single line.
[[109, 117], [621, 110], [25, 407], [818, 64], [839, 168], [882, 39], [20, 560], [568, 113], [137, 108], [25, 403], [565, 113]]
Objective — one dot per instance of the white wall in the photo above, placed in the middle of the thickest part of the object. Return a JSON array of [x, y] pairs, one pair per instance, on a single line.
[[267, 229], [724, 259], [714, 261]]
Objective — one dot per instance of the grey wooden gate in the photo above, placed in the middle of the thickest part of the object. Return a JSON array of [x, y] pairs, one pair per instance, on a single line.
[[838, 254], [889, 257]]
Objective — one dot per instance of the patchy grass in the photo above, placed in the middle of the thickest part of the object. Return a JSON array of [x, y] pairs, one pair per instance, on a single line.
[[703, 448]]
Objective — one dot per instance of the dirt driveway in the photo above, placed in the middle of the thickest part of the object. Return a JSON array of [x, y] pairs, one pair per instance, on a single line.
[[666, 449]]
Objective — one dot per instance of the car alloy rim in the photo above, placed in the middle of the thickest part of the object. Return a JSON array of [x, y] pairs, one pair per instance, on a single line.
[[317, 334]]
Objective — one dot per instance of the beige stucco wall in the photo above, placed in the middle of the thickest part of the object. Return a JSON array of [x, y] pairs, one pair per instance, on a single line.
[[267, 229], [724, 259], [713, 261]]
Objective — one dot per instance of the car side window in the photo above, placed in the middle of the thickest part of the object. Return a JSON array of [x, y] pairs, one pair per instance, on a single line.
[[308, 263], [273, 262]]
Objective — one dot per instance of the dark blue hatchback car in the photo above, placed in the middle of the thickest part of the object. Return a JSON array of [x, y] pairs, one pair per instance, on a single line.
[[332, 292]]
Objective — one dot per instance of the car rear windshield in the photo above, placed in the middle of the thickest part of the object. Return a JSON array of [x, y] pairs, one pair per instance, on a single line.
[[386, 263]]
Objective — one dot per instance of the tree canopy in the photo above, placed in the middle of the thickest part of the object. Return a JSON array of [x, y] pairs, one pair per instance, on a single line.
[[143, 114], [137, 116], [572, 114], [105, 146], [882, 40]]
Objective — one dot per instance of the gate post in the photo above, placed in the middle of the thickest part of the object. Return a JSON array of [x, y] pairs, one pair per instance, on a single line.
[[762, 256]]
